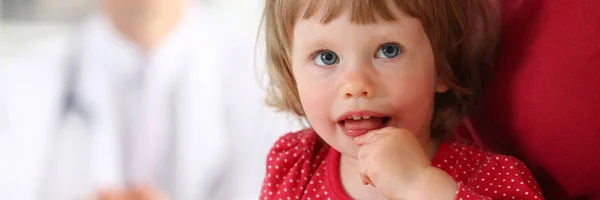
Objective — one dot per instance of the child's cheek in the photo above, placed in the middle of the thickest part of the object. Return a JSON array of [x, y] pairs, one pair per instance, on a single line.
[[316, 99]]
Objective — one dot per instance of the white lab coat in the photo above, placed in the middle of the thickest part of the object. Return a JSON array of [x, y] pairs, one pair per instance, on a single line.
[[223, 129]]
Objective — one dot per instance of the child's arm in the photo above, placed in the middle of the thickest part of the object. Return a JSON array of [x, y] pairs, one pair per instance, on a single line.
[[393, 161], [499, 177]]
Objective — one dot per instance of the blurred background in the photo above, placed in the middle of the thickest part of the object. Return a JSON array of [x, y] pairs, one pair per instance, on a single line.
[[99, 96]]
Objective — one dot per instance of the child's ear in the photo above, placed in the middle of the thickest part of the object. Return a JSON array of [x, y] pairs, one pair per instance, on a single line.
[[441, 86]]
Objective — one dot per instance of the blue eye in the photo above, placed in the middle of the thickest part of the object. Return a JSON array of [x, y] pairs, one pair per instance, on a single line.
[[326, 58], [388, 51]]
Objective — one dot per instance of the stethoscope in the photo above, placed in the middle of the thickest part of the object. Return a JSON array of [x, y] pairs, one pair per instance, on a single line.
[[72, 103]]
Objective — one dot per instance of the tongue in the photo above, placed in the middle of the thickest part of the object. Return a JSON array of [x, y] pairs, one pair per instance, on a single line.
[[363, 124]]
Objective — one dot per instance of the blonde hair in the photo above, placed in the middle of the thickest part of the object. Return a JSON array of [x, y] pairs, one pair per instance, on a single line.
[[463, 35]]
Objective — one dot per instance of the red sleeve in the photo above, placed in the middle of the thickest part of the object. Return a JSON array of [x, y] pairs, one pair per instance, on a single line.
[[482, 175], [289, 164], [500, 177]]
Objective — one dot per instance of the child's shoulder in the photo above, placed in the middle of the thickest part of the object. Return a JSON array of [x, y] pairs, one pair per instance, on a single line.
[[294, 146], [292, 161], [306, 138]]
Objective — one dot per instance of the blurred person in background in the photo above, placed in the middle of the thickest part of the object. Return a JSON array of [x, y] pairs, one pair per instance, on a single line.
[[156, 96]]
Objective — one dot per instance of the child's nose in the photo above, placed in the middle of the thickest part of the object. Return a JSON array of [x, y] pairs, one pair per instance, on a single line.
[[357, 84]]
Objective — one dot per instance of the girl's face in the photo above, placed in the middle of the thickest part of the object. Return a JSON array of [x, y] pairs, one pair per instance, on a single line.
[[354, 78]]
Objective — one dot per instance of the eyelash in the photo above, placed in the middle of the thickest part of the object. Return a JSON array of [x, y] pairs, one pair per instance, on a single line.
[[401, 48], [317, 52], [313, 55]]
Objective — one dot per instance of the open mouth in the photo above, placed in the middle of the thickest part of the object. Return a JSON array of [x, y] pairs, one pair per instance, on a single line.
[[357, 125]]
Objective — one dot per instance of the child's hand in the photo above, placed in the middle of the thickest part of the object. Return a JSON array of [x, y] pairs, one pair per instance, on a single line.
[[394, 161]]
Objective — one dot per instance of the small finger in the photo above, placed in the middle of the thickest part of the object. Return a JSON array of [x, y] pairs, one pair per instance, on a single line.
[[371, 136]]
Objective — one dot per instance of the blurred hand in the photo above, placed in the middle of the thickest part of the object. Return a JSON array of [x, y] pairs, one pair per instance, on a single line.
[[132, 193]]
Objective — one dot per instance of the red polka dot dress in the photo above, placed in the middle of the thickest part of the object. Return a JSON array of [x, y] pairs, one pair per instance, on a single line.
[[301, 166]]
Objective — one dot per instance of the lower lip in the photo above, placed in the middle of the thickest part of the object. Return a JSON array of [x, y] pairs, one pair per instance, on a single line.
[[359, 132], [353, 133]]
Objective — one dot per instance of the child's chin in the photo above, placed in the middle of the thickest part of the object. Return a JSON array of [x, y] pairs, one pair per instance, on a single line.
[[351, 152]]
